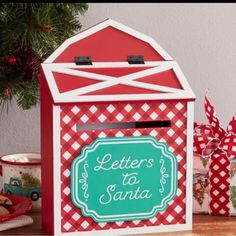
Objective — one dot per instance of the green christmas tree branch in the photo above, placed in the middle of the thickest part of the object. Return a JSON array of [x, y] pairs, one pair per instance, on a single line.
[[30, 32]]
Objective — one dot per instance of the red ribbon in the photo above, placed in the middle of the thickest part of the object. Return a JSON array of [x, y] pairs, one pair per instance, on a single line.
[[213, 138], [214, 141]]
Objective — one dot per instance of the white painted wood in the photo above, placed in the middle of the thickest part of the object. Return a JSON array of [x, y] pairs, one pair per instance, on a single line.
[[79, 73], [112, 64], [143, 73], [126, 231], [183, 81], [107, 81], [133, 231], [56, 67], [154, 87], [122, 97], [111, 81], [51, 82], [102, 25], [142, 37], [76, 38], [189, 162]]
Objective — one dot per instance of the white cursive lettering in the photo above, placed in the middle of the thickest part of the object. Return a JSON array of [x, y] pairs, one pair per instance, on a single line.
[[106, 163], [130, 179], [111, 194]]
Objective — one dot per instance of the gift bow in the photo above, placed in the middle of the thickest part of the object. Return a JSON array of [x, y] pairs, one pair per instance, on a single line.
[[212, 139], [220, 145]]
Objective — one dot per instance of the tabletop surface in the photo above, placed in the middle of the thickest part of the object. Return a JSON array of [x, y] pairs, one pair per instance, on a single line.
[[202, 225]]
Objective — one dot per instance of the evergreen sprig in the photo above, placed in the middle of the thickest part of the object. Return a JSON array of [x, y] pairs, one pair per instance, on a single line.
[[31, 32]]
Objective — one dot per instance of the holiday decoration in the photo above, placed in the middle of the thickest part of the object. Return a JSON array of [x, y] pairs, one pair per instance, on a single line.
[[214, 160], [11, 60], [6, 91], [16, 206], [116, 146], [200, 187], [29, 32], [12, 210], [21, 174], [30, 181]]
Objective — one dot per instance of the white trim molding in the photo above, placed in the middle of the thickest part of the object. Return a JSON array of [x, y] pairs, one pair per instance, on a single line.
[[105, 81]]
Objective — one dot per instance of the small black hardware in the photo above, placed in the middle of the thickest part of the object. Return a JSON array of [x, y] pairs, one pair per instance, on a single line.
[[134, 59], [83, 60]]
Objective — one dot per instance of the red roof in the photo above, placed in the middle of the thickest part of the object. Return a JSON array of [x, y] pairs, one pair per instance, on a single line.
[[111, 77]]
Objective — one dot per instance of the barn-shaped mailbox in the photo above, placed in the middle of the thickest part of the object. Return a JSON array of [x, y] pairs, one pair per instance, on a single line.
[[116, 136]]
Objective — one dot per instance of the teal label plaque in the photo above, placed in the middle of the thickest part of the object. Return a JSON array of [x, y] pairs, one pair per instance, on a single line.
[[128, 178]]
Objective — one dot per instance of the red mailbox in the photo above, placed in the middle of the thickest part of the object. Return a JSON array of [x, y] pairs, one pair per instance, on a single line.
[[116, 136]]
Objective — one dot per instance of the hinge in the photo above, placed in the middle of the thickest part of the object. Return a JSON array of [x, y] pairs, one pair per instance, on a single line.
[[134, 59], [83, 60]]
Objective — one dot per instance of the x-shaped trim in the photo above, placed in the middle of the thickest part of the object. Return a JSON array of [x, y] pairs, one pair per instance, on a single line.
[[108, 81]]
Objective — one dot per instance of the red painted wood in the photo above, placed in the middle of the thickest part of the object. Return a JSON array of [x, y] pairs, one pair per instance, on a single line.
[[115, 72], [109, 45], [121, 89], [69, 82], [166, 78], [46, 105]]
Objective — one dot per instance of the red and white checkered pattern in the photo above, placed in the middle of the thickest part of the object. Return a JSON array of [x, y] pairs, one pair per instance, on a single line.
[[72, 142], [213, 120], [219, 184], [232, 125], [212, 140]]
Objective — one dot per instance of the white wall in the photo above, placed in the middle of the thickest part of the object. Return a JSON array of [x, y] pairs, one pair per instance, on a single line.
[[200, 36]]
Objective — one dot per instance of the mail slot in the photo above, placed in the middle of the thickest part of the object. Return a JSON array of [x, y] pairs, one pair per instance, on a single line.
[[116, 136]]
